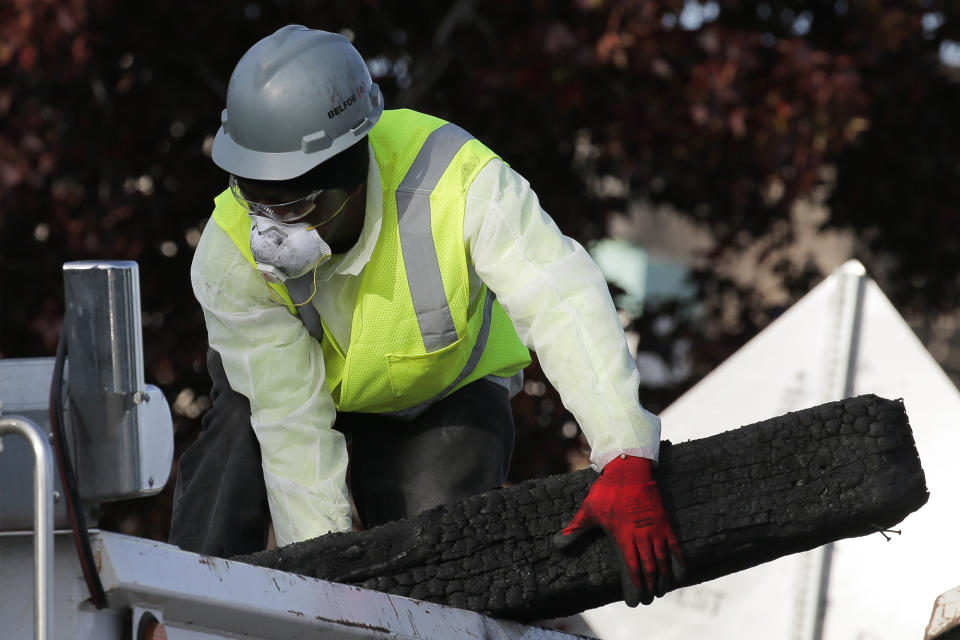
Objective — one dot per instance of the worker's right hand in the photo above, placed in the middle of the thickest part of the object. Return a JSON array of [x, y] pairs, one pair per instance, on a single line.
[[625, 502]]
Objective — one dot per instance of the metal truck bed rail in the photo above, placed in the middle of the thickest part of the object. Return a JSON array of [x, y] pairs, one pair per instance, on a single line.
[[201, 597]]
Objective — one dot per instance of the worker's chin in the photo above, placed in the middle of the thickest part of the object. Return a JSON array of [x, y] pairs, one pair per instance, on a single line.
[[338, 247]]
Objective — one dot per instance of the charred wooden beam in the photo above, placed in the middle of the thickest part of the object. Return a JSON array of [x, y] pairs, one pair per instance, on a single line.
[[736, 500]]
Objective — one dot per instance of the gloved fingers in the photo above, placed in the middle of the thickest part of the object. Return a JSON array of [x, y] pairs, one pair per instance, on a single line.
[[677, 561], [563, 539], [582, 522], [664, 584], [662, 557], [675, 547], [632, 594], [664, 578], [648, 561], [679, 568], [633, 583]]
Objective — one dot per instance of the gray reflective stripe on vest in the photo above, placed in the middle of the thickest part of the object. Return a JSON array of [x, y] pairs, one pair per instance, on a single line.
[[420, 260], [479, 346], [416, 237], [301, 290], [475, 354]]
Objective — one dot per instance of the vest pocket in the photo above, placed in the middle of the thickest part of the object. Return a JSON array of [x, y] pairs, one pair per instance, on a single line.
[[416, 378]]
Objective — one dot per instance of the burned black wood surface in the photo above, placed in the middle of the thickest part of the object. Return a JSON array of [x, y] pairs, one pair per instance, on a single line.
[[736, 500]]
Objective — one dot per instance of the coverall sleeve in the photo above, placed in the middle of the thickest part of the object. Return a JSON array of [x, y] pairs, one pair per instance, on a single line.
[[558, 300], [270, 358]]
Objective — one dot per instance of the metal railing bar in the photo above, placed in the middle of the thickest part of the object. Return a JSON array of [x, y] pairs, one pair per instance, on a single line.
[[42, 521]]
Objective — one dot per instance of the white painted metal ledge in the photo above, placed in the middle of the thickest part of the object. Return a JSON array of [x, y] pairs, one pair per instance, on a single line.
[[194, 595]]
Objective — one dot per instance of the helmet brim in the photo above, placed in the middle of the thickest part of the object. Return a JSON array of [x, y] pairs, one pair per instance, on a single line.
[[285, 165]]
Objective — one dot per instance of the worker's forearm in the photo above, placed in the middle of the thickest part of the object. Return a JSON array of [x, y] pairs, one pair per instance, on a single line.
[[269, 357], [304, 459]]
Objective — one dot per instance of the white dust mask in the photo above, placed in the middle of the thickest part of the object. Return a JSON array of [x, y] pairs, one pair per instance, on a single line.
[[285, 250]]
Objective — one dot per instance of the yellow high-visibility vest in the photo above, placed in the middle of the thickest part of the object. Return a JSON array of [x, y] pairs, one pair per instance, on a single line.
[[414, 337]]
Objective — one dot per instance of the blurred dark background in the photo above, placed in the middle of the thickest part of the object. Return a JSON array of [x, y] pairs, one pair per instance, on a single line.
[[743, 149]]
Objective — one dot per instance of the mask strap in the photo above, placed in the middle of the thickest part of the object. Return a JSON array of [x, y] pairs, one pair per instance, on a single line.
[[339, 209], [273, 294]]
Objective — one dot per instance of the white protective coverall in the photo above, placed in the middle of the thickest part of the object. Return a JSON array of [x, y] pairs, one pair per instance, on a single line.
[[548, 285]]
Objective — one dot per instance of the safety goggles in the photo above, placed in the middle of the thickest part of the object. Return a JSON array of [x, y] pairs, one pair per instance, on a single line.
[[329, 202]]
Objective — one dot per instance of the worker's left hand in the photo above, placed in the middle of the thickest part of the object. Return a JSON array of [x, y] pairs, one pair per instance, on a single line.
[[625, 501]]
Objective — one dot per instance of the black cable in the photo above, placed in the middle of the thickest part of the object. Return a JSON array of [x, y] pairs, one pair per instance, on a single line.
[[81, 536]]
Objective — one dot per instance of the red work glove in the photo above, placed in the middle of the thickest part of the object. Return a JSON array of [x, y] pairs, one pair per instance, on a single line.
[[626, 503]]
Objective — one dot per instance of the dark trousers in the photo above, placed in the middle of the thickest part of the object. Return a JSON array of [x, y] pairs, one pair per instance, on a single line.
[[458, 447]]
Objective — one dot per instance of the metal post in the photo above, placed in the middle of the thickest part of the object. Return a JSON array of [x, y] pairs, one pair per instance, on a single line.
[[839, 381], [42, 521]]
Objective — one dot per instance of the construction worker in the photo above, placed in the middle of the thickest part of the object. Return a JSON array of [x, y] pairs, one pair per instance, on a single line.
[[371, 280]]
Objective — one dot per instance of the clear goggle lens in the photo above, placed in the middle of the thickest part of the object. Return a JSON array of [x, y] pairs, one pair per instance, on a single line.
[[328, 202]]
